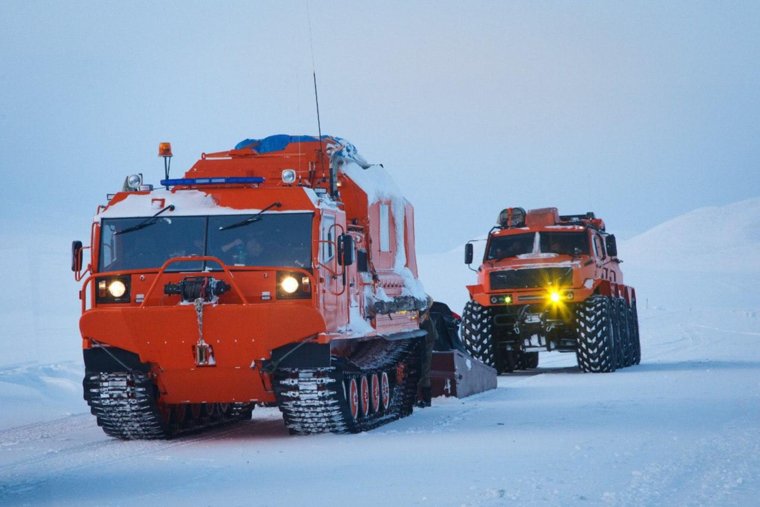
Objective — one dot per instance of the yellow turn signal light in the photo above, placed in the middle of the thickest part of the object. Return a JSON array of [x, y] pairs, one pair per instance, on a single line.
[[498, 300]]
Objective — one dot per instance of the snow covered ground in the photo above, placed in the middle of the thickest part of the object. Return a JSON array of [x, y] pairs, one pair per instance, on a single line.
[[682, 428]]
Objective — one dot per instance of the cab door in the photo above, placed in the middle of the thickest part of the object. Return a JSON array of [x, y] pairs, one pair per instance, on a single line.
[[601, 258], [330, 283]]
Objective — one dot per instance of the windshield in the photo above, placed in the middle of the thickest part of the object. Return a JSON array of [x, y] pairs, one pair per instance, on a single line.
[[510, 246], [570, 243], [273, 240]]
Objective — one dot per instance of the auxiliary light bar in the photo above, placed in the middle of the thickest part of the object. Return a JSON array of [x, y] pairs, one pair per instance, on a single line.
[[233, 180]]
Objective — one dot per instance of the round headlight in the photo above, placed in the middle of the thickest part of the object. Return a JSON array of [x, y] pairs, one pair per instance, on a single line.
[[117, 288], [555, 296], [134, 181], [288, 176], [289, 284]]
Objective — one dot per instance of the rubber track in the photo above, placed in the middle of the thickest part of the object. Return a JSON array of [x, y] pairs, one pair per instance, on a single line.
[[316, 400], [125, 406]]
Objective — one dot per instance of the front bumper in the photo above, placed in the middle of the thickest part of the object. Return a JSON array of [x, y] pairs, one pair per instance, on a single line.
[[242, 337]]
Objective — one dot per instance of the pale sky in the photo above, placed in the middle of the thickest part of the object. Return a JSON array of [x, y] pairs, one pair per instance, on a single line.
[[639, 111]]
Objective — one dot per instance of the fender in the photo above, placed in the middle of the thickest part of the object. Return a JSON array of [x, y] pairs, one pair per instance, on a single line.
[[475, 289]]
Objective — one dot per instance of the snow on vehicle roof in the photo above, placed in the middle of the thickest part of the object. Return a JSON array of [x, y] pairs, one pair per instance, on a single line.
[[186, 203], [375, 181]]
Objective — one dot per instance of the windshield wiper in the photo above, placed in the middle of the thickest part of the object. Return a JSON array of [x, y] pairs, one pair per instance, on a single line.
[[145, 223], [250, 220]]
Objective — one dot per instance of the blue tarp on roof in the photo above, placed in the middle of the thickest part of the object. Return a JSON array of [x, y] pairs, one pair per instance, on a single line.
[[277, 142]]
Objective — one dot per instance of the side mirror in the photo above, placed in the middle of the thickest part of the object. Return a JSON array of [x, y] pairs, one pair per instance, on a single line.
[[76, 256], [345, 250], [468, 253], [611, 245]]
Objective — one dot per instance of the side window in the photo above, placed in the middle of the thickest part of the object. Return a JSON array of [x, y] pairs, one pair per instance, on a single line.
[[385, 228], [327, 234], [107, 249], [599, 247]]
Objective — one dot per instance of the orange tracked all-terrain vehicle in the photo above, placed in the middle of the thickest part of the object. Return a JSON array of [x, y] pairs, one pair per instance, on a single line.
[[281, 272], [550, 282]]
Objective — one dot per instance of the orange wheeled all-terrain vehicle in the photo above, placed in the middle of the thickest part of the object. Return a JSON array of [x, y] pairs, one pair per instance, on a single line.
[[550, 282], [281, 272]]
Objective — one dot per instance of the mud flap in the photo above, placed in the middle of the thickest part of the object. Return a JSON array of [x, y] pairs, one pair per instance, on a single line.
[[457, 374]]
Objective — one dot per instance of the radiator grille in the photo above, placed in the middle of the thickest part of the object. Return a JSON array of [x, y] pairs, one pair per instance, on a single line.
[[531, 278]]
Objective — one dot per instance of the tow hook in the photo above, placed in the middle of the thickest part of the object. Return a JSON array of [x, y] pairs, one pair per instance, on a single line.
[[204, 353]]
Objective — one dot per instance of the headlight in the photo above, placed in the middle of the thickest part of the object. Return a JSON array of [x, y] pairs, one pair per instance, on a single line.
[[556, 296], [293, 286], [289, 284], [288, 176], [133, 182], [117, 288], [113, 289]]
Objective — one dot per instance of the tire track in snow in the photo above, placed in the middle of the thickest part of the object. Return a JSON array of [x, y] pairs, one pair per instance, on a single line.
[[31, 455]]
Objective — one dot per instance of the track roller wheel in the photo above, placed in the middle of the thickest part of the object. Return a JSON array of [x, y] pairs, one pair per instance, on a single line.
[[375, 393], [364, 386], [353, 398], [385, 391]]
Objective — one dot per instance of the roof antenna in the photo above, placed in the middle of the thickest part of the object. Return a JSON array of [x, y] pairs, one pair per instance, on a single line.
[[313, 69], [316, 99], [333, 170]]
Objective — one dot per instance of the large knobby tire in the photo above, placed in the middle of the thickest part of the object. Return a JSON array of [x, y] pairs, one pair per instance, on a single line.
[[529, 360], [507, 361], [511, 360], [633, 323], [595, 321], [477, 332], [624, 346]]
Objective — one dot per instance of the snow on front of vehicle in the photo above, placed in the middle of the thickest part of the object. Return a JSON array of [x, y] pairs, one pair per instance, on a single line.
[[186, 202]]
